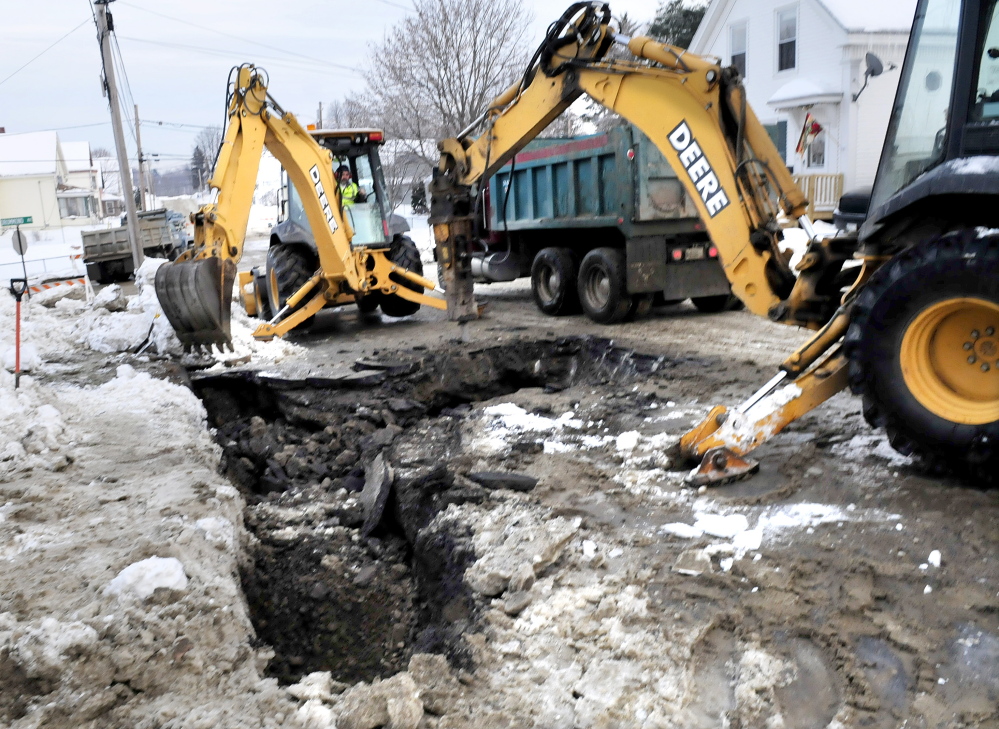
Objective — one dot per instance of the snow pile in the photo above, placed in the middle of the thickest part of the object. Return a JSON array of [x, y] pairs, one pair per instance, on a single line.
[[860, 447], [143, 578], [507, 421], [41, 649], [51, 253], [770, 524], [114, 323], [32, 432]]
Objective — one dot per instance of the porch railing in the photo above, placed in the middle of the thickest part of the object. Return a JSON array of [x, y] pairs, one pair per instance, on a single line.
[[823, 193]]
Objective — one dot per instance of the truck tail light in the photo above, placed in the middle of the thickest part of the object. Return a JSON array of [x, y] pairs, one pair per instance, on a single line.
[[677, 254], [375, 136], [712, 252], [385, 228]]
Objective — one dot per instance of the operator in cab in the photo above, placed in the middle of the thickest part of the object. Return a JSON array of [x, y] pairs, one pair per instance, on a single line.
[[350, 192]]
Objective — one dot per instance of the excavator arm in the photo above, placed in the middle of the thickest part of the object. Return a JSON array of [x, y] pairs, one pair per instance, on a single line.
[[696, 113], [195, 291]]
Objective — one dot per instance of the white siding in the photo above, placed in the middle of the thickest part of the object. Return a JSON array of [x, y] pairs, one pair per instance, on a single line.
[[830, 58]]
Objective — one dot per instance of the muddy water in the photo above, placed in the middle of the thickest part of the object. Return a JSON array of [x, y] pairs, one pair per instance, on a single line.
[[580, 602]]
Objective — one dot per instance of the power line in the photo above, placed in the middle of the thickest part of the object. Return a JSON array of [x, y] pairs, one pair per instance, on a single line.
[[248, 40], [45, 51], [396, 5], [298, 65]]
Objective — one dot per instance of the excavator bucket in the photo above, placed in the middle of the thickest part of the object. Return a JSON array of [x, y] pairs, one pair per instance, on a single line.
[[196, 297]]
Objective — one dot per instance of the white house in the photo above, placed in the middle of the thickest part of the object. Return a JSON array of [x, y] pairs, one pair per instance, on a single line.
[[80, 196], [37, 182], [808, 57]]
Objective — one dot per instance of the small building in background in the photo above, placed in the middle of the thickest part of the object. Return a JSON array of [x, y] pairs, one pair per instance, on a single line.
[[80, 195], [802, 63], [38, 180]]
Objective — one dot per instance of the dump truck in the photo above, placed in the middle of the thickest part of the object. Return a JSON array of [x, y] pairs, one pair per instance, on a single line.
[[559, 199], [913, 329], [108, 255]]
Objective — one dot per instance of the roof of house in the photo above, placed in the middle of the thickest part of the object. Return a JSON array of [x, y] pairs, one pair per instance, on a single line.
[[77, 156], [864, 16], [34, 153]]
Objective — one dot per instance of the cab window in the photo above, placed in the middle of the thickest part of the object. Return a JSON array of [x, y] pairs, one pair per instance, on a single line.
[[985, 106]]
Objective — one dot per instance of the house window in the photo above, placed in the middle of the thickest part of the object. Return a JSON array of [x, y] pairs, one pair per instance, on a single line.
[[737, 39], [75, 207], [817, 152], [787, 39]]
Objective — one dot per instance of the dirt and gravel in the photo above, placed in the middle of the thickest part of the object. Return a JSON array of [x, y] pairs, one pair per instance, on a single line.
[[415, 524]]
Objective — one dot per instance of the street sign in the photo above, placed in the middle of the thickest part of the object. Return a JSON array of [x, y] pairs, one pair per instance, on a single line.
[[20, 242], [5, 222]]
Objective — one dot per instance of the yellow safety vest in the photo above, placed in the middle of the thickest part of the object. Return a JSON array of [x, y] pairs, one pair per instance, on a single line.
[[348, 193]]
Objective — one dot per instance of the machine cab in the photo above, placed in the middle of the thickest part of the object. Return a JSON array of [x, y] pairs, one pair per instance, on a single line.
[[356, 150], [942, 142]]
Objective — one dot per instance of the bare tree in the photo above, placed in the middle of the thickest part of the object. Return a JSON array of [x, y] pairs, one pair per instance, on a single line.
[[347, 113], [206, 147], [436, 71]]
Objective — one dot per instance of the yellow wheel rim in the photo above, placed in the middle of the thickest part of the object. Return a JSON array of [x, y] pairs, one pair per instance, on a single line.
[[950, 360]]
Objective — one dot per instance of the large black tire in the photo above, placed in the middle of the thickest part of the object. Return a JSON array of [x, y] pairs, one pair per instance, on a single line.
[[403, 253], [288, 268], [922, 310], [602, 286], [368, 304], [714, 304], [553, 281]]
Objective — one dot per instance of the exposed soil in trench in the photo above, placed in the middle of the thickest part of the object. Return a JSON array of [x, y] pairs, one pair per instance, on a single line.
[[608, 594], [334, 586]]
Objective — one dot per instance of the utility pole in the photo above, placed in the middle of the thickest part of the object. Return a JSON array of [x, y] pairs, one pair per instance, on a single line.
[[320, 115], [105, 24], [143, 185]]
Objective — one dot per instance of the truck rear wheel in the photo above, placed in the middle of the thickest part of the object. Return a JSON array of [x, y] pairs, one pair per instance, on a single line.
[[602, 285], [553, 281], [403, 253], [923, 346], [288, 268]]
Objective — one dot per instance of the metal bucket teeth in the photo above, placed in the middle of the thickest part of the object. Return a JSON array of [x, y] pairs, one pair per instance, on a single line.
[[196, 297]]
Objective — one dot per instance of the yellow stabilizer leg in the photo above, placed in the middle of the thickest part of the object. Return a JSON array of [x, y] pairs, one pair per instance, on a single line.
[[271, 329], [723, 437]]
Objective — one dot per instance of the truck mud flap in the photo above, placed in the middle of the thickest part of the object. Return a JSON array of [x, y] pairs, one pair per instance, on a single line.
[[196, 297]]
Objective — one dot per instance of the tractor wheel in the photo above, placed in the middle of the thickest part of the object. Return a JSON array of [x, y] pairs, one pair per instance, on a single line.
[[368, 304], [403, 253], [713, 304], [602, 287], [288, 268], [923, 347], [553, 281]]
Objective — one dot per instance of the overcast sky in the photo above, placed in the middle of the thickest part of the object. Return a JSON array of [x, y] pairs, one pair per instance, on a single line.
[[177, 56]]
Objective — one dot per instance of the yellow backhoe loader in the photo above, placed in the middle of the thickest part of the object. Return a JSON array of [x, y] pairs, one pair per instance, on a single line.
[[195, 291], [912, 328]]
